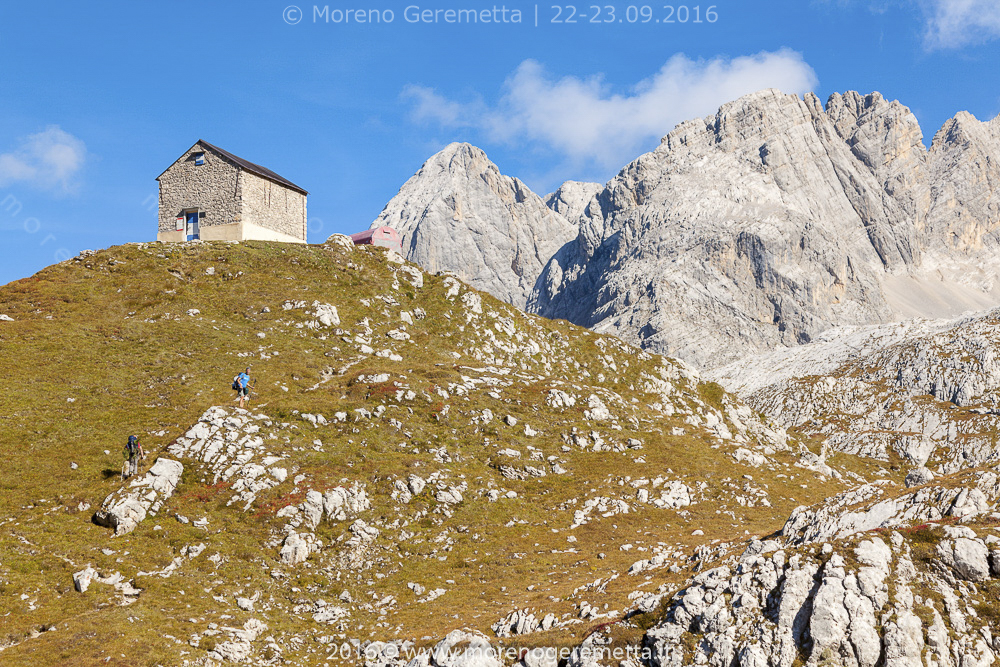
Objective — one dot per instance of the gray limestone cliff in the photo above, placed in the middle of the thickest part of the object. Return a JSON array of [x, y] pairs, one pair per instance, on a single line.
[[460, 214], [776, 219], [756, 228], [571, 199]]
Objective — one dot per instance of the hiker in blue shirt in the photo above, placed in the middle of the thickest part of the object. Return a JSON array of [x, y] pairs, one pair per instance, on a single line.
[[241, 383]]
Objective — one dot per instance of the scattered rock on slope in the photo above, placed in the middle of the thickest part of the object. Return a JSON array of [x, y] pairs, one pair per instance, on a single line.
[[862, 605]]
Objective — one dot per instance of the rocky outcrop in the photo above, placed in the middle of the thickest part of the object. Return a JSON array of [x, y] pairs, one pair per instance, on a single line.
[[523, 622], [297, 548], [460, 214], [232, 447], [464, 649], [928, 391], [874, 506], [239, 648], [861, 603], [124, 509]]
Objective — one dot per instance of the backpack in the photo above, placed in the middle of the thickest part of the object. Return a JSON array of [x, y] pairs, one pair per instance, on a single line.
[[236, 383], [133, 446]]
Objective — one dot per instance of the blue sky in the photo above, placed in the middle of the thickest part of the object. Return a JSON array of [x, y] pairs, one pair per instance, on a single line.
[[99, 98]]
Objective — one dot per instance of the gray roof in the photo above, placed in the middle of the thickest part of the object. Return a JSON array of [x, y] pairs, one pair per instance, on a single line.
[[264, 172]]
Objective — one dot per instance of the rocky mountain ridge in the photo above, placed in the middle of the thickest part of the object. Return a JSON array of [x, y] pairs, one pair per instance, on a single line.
[[758, 227], [925, 391]]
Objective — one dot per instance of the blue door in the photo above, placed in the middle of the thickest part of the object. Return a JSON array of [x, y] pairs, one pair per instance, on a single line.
[[193, 232]]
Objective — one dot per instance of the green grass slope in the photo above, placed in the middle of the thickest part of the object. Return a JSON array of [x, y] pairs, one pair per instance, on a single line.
[[435, 381]]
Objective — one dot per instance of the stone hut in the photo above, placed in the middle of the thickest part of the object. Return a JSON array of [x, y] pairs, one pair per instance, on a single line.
[[213, 195]]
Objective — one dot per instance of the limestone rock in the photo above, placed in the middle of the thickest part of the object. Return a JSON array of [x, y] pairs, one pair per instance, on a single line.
[[918, 477], [229, 444], [571, 199], [413, 275], [874, 379], [296, 548], [312, 508], [904, 641], [598, 411], [82, 579], [460, 214], [341, 240], [969, 558], [416, 484], [777, 611], [326, 315], [127, 507], [342, 503], [721, 268], [871, 510], [969, 502]]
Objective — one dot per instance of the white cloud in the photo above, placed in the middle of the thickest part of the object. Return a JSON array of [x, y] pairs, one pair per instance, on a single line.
[[957, 23], [49, 159], [586, 121]]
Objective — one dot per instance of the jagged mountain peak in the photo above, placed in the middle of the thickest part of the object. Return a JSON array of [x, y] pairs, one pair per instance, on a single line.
[[572, 198], [461, 157], [459, 213], [963, 128]]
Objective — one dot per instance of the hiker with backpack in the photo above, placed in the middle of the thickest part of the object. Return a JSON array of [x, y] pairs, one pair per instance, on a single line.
[[133, 454], [241, 384]]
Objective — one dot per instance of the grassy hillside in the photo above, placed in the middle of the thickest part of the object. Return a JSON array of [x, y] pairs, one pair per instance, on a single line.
[[435, 380]]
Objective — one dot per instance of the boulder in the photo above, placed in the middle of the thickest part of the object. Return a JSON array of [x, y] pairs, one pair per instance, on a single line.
[[326, 315], [82, 579], [124, 509], [918, 477], [969, 558], [296, 548], [312, 509], [416, 484], [969, 502]]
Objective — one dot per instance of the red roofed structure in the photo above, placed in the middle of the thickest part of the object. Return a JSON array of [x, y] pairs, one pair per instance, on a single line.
[[384, 237]]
